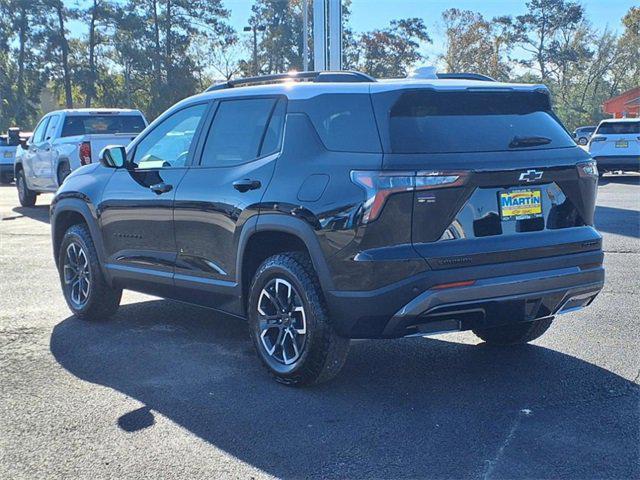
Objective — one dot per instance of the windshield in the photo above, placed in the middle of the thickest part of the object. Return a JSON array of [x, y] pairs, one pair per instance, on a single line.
[[427, 121], [102, 124], [619, 128]]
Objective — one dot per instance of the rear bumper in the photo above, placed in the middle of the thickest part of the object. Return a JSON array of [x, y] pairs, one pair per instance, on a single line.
[[502, 293], [629, 163], [6, 169]]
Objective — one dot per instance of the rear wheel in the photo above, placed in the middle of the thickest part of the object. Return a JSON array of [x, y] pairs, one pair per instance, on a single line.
[[26, 197], [85, 289], [582, 141], [515, 334], [289, 322]]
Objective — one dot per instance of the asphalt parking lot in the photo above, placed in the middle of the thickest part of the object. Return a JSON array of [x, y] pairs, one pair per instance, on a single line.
[[169, 390]]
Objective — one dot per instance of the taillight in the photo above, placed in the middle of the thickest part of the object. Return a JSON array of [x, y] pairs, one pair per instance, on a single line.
[[379, 185], [588, 169], [85, 153]]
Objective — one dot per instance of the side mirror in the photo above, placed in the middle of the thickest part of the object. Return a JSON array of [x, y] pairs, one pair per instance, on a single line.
[[113, 156]]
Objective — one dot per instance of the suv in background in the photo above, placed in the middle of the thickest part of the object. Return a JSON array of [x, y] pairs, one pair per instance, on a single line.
[[616, 145], [582, 134], [341, 207], [67, 139]]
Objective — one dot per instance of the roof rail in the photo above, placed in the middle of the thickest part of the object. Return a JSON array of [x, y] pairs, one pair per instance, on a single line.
[[465, 76], [320, 77]]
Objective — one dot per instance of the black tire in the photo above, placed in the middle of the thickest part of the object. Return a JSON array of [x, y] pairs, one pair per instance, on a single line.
[[26, 197], [516, 334], [320, 352], [63, 172], [583, 141], [100, 301]]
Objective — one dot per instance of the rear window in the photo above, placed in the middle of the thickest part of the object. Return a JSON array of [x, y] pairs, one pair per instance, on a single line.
[[619, 128], [419, 121], [101, 124], [344, 121]]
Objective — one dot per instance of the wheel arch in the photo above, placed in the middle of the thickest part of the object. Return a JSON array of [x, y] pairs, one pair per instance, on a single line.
[[71, 211], [272, 234]]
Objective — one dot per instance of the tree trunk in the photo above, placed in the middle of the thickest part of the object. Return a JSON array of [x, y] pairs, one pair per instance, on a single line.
[[91, 83], [64, 46], [22, 39], [157, 53], [168, 62]]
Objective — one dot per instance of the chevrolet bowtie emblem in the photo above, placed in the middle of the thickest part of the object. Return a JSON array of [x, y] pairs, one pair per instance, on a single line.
[[530, 176]]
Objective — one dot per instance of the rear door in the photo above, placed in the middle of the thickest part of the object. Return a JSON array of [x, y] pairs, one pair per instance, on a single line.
[[31, 164], [236, 160], [45, 161], [136, 210]]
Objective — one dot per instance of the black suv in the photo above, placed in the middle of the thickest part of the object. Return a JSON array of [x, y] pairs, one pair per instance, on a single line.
[[331, 206]]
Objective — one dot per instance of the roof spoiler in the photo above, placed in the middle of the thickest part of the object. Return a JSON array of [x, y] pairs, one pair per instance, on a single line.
[[318, 77], [465, 76]]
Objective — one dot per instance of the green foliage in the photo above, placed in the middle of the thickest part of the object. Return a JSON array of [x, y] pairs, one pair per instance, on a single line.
[[148, 54]]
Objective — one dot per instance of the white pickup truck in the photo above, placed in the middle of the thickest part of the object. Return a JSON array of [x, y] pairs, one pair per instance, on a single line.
[[68, 139]]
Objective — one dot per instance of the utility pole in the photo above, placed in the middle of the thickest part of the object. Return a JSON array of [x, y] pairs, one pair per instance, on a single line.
[[255, 29]]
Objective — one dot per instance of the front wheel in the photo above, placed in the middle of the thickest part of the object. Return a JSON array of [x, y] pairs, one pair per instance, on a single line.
[[289, 322], [515, 334], [85, 289], [26, 196]]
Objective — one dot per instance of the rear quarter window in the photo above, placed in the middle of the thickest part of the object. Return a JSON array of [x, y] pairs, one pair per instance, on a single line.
[[344, 121]]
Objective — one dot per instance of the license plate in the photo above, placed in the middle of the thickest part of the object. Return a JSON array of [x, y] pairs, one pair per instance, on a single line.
[[622, 144], [8, 155], [521, 204]]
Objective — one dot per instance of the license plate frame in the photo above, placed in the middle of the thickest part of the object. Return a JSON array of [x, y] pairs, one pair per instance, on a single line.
[[622, 143], [528, 204], [8, 155]]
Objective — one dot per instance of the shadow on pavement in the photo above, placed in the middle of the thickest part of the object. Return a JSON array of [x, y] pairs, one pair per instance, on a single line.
[[38, 212], [401, 408], [619, 179], [618, 220]]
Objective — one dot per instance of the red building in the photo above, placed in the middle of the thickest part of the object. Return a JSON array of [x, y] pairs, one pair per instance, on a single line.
[[624, 105]]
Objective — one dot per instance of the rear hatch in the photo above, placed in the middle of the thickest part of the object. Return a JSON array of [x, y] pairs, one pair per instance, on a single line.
[[616, 139], [497, 177]]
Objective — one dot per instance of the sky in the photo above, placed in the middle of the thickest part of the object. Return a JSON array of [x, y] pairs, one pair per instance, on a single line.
[[371, 14]]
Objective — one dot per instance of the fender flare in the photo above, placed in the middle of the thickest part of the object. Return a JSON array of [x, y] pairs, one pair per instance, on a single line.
[[272, 222], [88, 212]]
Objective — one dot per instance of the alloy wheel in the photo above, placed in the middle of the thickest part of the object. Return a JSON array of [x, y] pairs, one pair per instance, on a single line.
[[77, 275], [282, 321]]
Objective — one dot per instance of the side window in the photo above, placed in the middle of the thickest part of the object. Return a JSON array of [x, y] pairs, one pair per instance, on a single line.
[[238, 131], [344, 121], [38, 133], [168, 144], [51, 128]]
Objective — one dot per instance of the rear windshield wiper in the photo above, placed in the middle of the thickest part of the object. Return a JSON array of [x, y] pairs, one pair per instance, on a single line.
[[520, 142]]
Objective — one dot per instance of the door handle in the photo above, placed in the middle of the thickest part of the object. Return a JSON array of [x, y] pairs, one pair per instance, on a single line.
[[245, 185], [160, 188]]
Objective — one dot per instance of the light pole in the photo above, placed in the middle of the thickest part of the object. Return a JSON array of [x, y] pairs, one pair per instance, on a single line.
[[255, 29]]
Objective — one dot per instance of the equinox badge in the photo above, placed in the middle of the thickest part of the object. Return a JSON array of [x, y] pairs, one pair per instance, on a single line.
[[530, 176]]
